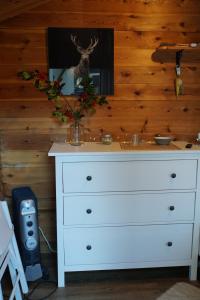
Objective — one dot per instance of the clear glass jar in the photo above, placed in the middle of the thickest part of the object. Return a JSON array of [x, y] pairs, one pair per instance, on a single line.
[[106, 139], [76, 136]]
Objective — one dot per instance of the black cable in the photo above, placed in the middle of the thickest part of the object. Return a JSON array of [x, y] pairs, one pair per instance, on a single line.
[[27, 296]]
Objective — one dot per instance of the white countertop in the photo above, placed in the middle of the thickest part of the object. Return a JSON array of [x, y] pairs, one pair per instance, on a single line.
[[58, 149]]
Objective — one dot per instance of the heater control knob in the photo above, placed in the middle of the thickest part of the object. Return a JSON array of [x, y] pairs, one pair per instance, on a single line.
[[31, 243], [29, 223]]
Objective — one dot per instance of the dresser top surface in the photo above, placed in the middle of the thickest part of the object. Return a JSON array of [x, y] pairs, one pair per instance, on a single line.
[[89, 148]]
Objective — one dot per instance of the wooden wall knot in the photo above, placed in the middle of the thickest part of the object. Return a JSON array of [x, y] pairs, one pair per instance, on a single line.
[[137, 93], [133, 17]]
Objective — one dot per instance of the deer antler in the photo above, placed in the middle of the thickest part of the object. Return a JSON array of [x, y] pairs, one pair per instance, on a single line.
[[87, 50], [92, 45], [74, 41]]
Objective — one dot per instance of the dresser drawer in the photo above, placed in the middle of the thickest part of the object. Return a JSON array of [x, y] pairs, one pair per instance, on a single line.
[[123, 209], [125, 244], [129, 175]]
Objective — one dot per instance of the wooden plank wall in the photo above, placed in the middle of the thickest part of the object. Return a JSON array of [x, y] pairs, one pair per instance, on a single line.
[[144, 99]]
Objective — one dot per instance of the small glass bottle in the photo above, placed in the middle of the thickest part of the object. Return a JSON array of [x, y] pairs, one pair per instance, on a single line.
[[76, 137]]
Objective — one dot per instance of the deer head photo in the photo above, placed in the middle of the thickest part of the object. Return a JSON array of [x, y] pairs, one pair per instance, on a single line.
[[77, 53]]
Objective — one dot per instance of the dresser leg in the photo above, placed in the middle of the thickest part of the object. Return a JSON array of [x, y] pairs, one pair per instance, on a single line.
[[60, 269], [193, 272], [61, 279]]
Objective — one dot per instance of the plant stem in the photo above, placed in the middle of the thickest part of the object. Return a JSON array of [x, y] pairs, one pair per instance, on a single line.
[[71, 109]]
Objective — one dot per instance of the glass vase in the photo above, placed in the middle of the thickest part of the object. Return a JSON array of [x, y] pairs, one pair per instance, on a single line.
[[76, 137]]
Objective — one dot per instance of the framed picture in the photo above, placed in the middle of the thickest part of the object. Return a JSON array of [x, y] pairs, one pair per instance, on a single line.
[[75, 53]]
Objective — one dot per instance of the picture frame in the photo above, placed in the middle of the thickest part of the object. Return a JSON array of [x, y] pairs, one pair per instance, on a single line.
[[77, 52]]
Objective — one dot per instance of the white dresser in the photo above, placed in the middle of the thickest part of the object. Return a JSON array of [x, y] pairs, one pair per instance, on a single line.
[[126, 209]]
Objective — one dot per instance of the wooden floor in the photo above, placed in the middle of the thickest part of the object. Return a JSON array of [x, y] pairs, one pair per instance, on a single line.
[[140, 284], [143, 284]]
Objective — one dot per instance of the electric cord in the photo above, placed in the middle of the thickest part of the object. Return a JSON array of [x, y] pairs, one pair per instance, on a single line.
[[46, 240], [28, 296]]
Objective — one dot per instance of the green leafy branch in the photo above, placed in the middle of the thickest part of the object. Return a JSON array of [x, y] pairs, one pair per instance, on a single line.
[[65, 111]]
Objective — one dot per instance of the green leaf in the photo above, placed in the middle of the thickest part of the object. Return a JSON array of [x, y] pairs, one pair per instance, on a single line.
[[102, 100], [64, 119], [57, 113], [92, 110], [25, 75]]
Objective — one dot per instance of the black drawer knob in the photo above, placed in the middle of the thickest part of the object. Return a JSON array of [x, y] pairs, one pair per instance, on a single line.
[[88, 211], [89, 178], [171, 207], [88, 247], [169, 244], [173, 175]]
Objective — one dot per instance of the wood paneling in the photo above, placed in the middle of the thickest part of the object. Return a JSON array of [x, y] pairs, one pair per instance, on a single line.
[[157, 74], [36, 38], [121, 6], [11, 8], [119, 21], [144, 99]]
